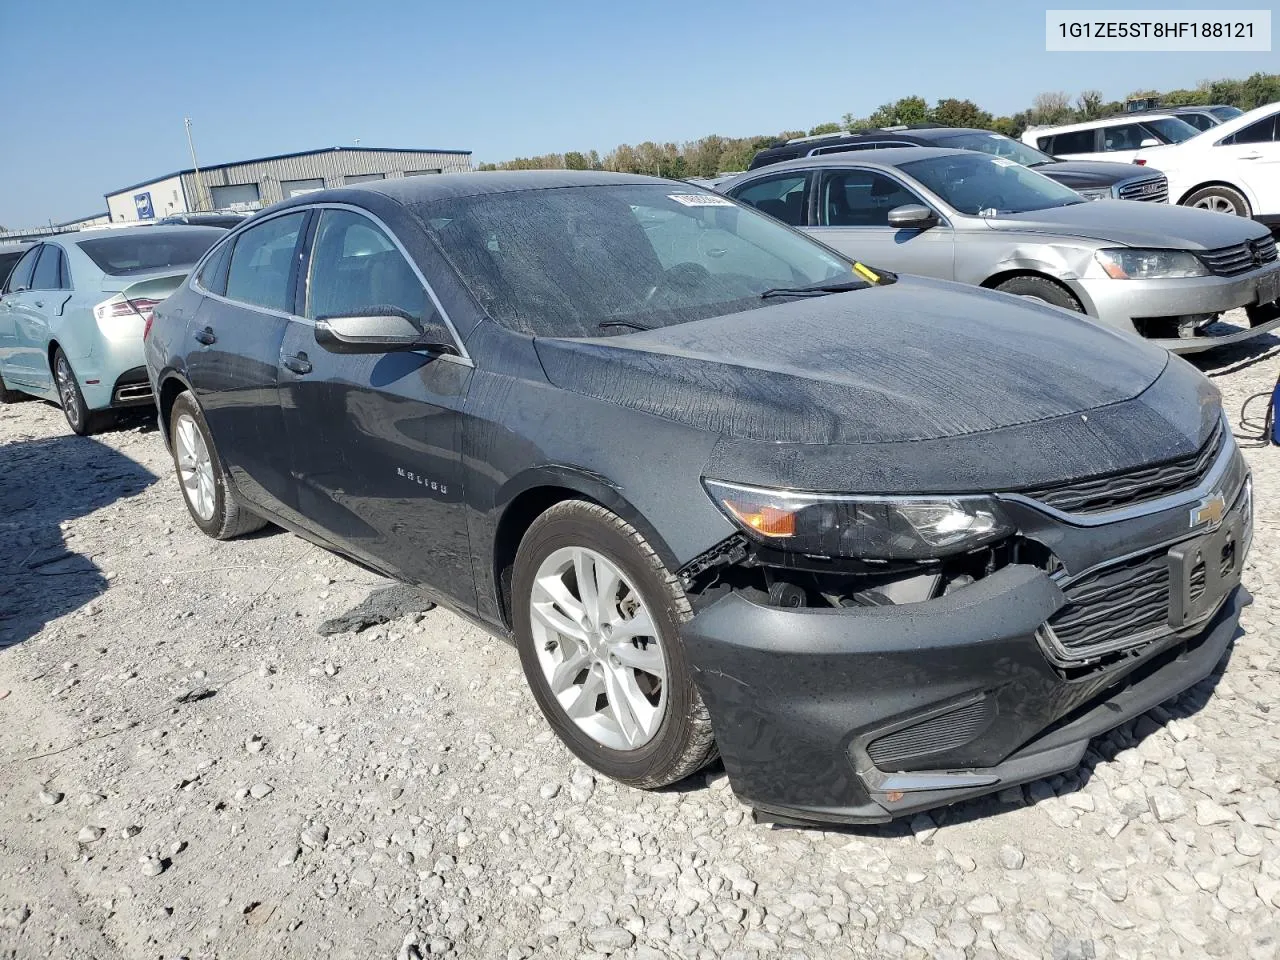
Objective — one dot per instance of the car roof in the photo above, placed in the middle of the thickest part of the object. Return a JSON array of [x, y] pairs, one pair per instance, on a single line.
[[884, 157], [451, 186], [1160, 114], [158, 229]]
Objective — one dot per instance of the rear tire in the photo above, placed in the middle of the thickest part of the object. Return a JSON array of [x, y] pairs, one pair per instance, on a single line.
[[210, 502], [1219, 199], [673, 740], [80, 418], [1042, 289]]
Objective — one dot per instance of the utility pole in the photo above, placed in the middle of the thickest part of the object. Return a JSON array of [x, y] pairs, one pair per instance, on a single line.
[[200, 188]]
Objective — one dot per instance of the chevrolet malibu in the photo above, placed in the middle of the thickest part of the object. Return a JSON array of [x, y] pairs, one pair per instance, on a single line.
[[1155, 271], [881, 543]]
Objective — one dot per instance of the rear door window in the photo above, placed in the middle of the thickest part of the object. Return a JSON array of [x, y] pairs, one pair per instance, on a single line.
[[1074, 141], [48, 270], [261, 269], [784, 197], [1264, 131], [20, 279], [213, 273]]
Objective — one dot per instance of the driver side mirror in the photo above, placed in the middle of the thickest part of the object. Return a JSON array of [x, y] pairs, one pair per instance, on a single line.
[[383, 330], [912, 216], [1149, 142]]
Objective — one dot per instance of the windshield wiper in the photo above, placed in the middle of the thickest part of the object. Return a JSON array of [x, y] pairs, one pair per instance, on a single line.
[[817, 290], [606, 324]]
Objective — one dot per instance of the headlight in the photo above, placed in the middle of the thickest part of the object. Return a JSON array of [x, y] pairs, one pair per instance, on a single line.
[[1100, 193], [1130, 264], [868, 527]]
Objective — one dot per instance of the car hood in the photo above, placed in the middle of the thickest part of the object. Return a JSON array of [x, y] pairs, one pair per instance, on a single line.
[[1135, 224], [1093, 173], [911, 361]]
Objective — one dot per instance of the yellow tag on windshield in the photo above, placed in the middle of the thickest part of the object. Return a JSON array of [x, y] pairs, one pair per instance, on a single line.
[[866, 272]]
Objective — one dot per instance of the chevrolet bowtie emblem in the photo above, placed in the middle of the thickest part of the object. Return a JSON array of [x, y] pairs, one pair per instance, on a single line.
[[1210, 510]]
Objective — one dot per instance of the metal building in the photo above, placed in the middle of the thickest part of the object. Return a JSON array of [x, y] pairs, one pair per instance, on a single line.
[[253, 184]]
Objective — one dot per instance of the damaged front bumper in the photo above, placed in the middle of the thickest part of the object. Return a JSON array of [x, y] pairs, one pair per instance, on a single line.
[[861, 715]]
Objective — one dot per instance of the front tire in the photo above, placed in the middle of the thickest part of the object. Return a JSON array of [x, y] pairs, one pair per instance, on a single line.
[[80, 418], [597, 618], [1042, 289], [1220, 199], [204, 486]]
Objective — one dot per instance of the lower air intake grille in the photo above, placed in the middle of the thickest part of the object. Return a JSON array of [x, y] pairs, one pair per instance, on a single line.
[[1120, 606], [938, 734]]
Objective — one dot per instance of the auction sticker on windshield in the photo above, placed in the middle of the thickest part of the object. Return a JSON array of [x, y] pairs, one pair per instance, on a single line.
[[700, 200]]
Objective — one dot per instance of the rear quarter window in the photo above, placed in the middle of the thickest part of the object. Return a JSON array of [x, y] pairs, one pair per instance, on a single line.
[[147, 252]]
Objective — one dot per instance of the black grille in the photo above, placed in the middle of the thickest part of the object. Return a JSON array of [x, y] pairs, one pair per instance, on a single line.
[[938, 734], [1149, 189], [1117, 607], [1240, 257], [1098, 494]]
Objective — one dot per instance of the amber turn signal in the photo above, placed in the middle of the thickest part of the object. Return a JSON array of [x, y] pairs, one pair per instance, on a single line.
[[768, 521]]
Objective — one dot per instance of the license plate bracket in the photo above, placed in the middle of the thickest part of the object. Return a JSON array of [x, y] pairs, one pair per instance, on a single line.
[[1203, 571]]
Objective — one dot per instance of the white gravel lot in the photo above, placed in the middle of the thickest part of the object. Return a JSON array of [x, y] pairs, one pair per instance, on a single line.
[[188, 769]]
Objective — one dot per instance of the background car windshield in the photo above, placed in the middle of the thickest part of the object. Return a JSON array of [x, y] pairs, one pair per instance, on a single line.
[[145, 251], [1171, 129], [986, 186], [1226, 113], [997, 145], [559, 262]]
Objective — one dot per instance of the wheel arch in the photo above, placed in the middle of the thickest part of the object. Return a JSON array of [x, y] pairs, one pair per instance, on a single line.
[[993, 281], [171, 386], [527, 496], [1238, 188]]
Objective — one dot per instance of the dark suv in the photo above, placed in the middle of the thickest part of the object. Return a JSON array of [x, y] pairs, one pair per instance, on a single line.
[[1092, 179]]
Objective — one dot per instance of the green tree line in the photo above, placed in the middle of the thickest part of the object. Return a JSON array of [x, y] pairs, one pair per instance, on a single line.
[[714, 154]]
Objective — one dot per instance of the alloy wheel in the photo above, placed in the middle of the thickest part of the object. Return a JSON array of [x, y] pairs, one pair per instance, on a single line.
[[1215, 203], [66, 381], [195, 467], [598, 648]]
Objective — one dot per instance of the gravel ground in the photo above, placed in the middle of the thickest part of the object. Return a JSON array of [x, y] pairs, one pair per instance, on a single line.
[[189, 769]]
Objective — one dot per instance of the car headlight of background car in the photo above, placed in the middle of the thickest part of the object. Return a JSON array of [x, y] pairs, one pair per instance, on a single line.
[[1097, 193], [865, 527], [1127, 263]]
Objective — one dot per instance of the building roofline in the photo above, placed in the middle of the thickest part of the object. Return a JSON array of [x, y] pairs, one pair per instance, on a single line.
[[280, 156]]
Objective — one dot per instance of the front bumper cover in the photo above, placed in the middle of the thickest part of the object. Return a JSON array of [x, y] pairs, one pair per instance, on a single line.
[[798, 698]]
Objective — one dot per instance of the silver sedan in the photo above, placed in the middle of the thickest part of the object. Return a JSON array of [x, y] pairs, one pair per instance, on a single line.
[[1161, 272]]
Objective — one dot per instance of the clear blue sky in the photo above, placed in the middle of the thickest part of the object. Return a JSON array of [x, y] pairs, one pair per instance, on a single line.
[[95, 90]]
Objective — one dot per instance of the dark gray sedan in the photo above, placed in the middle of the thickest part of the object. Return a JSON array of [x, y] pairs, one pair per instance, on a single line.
[[1165, 273], [882, 543]]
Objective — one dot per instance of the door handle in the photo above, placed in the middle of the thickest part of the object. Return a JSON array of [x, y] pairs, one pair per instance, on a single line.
[[205, 336], [39, 303], [298, 364], [1251, 156]]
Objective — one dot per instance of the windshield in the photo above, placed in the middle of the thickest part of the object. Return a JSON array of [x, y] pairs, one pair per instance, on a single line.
[[1171, 129], [8, 259], [561, 262], [998, 145], [987, 186], [150, 250], [1226, 113]]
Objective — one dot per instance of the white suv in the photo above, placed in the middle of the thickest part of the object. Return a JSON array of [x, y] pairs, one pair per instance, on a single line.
[[1117, 138], [1231, 168]]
